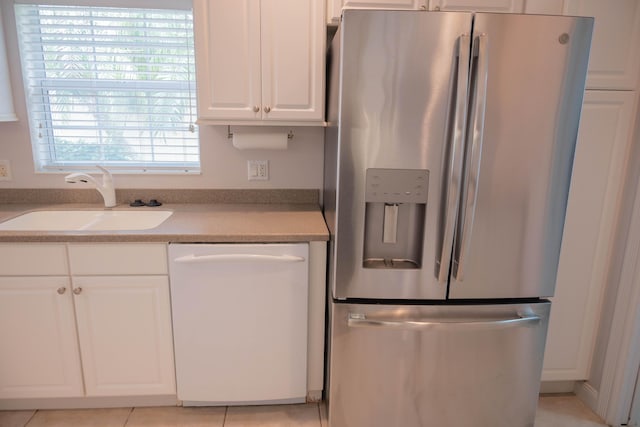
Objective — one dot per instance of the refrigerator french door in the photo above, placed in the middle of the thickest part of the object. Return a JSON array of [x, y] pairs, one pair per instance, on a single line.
[[448, 160]]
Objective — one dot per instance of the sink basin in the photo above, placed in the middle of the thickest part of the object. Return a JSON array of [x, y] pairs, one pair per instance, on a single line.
[[82, 220]]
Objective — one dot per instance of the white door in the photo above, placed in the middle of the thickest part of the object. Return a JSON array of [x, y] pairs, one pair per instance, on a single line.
[[38, 346], [603, 143], [227, 45], [124, 327], [293, 40]]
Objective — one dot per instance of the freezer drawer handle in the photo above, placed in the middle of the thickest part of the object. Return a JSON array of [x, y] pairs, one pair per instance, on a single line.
[[360, 320], [237, 257]]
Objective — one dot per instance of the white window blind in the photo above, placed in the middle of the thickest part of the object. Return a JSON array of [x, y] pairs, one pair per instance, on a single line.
[[110, 86]]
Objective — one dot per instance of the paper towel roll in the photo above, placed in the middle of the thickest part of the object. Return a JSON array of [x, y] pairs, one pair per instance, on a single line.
[[260, 140]]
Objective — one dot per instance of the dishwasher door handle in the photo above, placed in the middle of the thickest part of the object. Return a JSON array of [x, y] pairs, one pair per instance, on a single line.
[[192, 258]]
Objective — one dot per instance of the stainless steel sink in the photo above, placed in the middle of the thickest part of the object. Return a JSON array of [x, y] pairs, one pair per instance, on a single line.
[[89, 220]]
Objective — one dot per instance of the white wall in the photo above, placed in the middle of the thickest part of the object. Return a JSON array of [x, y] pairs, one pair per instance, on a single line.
[[223, 167]]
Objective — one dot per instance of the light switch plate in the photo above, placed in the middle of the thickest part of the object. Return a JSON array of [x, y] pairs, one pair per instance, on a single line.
[[5, 170], [258, 170]]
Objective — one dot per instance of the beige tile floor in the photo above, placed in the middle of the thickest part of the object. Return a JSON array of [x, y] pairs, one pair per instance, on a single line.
[[553, 411]]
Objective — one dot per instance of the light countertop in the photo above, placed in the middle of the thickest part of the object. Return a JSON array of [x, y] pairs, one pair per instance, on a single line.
[[206, 223]]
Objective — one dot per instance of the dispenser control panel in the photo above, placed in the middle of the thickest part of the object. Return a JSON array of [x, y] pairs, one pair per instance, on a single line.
[[397, 185]]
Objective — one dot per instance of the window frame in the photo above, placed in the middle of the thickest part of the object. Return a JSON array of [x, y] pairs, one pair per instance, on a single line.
[[49, 163]]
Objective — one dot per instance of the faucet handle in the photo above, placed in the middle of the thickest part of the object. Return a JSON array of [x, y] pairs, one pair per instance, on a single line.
[[105, 171], [107, 190], [107, 178]]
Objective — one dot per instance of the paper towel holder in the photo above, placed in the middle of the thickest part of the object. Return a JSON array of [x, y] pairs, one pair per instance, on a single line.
[[230, 134]]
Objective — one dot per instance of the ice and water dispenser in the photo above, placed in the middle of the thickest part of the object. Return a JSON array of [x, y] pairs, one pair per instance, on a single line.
[[396, 201]]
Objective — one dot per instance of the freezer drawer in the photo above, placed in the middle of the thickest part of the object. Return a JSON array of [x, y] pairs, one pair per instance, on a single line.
[[435, 365], [240, 322]]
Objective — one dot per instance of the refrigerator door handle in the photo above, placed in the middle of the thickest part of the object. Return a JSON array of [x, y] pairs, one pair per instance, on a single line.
[[470, 191], [528, 319], [454, 179]]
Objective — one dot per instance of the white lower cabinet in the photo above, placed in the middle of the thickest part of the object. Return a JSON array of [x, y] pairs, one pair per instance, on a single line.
[[39, 348], [95, 334], [124, 328]]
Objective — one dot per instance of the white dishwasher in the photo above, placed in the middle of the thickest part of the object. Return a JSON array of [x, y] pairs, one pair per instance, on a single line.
[[240, 322]]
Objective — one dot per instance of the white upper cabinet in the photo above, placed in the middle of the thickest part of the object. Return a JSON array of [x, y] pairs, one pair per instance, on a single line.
[[7, 113], [615, 55], [543, 7], [260, 61], [505, 6], [334, 7], [501, 6]]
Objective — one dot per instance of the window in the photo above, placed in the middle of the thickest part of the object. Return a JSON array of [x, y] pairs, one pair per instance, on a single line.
[[109, 86]]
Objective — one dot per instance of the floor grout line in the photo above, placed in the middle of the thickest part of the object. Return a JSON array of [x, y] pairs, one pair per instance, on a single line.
[[224, 420], [30, 418], [128, 416]]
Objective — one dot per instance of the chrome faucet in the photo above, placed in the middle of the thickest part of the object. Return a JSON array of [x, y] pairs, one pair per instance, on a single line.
[[106, 189]]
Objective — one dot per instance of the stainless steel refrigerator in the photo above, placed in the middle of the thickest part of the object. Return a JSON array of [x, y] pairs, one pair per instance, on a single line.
[[448, 161]]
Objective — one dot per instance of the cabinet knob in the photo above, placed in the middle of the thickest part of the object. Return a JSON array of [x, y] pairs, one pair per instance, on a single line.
[[77, 291], [61, 290], [256, 108], [267, 109]]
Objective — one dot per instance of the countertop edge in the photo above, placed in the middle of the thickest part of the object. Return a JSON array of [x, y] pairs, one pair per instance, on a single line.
[[192, 223]]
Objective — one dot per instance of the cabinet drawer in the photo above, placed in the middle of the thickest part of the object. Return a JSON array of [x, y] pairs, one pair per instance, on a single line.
[[130, 258], [29, 259]]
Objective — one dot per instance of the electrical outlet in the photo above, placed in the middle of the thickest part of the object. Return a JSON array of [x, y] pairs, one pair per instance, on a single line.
[[5, 170], [258, 170]]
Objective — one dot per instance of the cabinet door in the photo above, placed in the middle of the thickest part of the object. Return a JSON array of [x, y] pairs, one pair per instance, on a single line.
[[543, 7], [334, 7], [615, 57], [7, 112], [594, 198], [39, 350], [118, 259], [292, 59], [384, 4], [227, 45], [504, 6], [33, 259], [124, 327]]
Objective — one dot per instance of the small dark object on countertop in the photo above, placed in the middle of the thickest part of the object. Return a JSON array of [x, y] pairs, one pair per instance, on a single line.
[[153, 203], [136, 203]]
